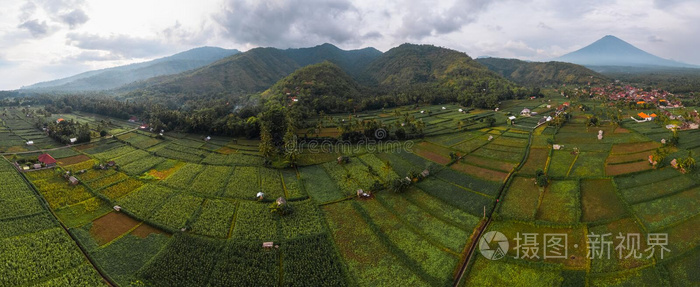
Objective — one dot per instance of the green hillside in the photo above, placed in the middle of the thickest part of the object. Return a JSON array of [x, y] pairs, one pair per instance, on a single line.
[[319, 87], [449, 74], [252, 71], [116, 77], [256, 70], [542, 73]]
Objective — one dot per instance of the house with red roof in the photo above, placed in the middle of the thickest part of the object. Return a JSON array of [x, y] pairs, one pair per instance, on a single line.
[[47, 159]]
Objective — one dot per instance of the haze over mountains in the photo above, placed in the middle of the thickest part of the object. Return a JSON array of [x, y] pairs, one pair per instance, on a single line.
[[612, 51], [111, 78], [257, 69]]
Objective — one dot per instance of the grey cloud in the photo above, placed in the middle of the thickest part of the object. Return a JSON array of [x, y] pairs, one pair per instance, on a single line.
[[27, 11], [542, 25], [182, 35], [289, 23], [36, 28], [74, 18], [661, 4], [57, 6], [424, 19], [121, 45], [655, 39], [494, 27], [372, 35]]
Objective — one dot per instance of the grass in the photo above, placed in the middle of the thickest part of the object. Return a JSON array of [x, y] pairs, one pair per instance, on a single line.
[[560, 163], [657, 189], [667, 210], [319, 185], [589, 164], [599, 201], [634, 277], [521, 199], [441, 210], [456, 196], [414, 250], [560, 202], [683, 272], [617, 261], [370, 262], [682, 237], [575, 237], [480, 172], [446, 234], [537, 159], [485, 272]]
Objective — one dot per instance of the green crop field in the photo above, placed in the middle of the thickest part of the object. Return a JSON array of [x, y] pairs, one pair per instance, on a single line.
[[177, 210]]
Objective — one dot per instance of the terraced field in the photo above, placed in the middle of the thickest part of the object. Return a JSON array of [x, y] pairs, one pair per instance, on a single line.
[[179, 210]]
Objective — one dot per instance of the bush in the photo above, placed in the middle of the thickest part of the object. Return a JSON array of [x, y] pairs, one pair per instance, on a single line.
[[541, 178]]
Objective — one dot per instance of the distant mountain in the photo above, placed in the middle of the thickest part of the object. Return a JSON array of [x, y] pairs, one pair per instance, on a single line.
[[116, 77], [542, 73], [323, 86], [257, 69], [611, 51]]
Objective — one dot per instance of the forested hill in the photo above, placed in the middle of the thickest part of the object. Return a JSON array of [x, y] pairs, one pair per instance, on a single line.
[[408, 74], [542, 73], [252, 71], [320, 87], [427, 70], [353, 62], [116, 77], [256, 70]]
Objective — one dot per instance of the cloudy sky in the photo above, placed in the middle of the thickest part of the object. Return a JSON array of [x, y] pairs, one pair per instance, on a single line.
[[48, 39]]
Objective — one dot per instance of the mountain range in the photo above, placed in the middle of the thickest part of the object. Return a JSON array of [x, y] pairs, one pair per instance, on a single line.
[[612, 51], [111, 78], [256, 70], [406, 69]]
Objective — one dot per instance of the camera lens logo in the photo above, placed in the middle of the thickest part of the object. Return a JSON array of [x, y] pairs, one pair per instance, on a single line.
[[380, 134], [493, 245]]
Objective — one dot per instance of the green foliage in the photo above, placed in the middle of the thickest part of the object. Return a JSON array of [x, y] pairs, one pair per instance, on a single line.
[[281, 208], [37, 255], [65, 130], [215, 218], [177, 211], [195, 258], [438, 75], [255, 222], [145, 200], [312, 261], [305, 220], [123, 258], [541, 178], [319, 185], [319, 87], [538, 74], [456, 196]]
